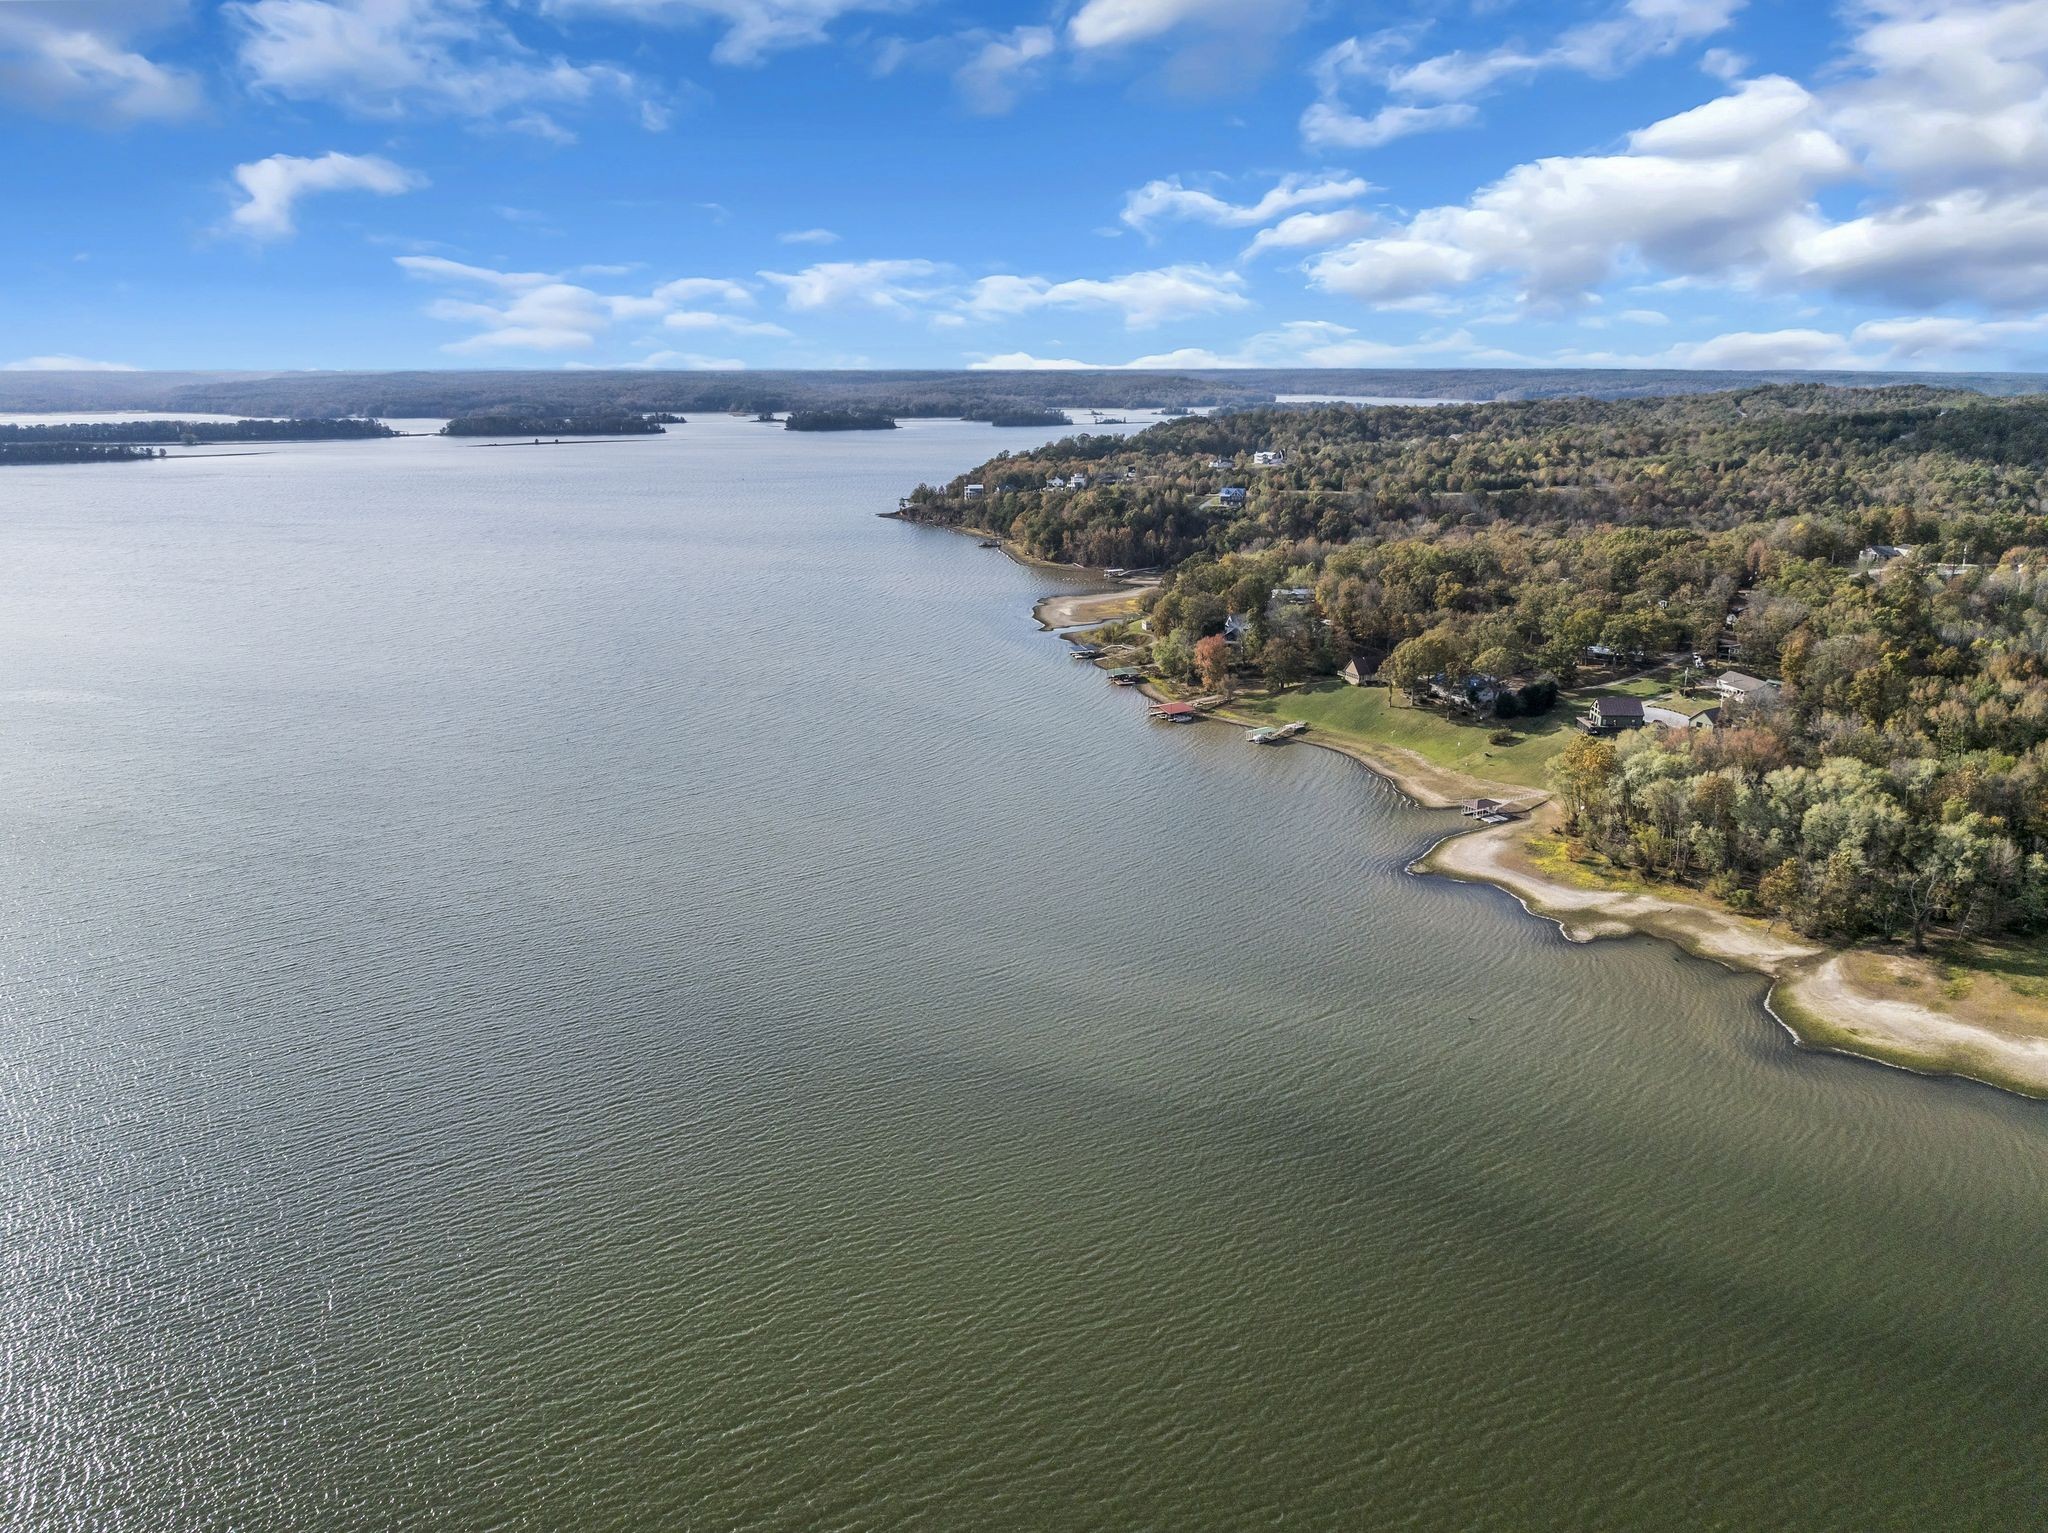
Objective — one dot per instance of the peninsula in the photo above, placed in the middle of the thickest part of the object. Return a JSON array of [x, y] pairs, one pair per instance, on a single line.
[[1764, 664]]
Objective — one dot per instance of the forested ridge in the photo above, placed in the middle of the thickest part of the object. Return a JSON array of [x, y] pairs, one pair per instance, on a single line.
[[1880, 557]]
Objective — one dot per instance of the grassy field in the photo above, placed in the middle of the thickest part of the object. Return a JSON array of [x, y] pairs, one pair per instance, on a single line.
[[1364, 714]]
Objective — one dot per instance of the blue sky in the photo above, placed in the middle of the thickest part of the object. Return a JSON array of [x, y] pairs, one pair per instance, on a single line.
[[806, 183]]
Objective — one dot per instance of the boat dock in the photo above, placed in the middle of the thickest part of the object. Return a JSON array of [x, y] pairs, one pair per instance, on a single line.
[[1275, 734]]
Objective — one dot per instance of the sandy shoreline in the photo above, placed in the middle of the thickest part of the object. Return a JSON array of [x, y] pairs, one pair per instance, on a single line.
[[1813, 997]]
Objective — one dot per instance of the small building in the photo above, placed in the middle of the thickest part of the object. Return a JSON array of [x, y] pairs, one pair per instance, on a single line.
[[1126, 676], [1609, 714], [1295, 596], [1679, 718], [1176, 713], [1055, 483], [1878, 555], [1739, 686], [1362, 669], [974, 492], [1219, 463], [1077, 482], [1231, 495], [1269, 460], [1235, 627]]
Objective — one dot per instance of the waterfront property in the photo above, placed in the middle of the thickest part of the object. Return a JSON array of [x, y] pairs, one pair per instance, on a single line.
[[1175, 713], [1611, 714]]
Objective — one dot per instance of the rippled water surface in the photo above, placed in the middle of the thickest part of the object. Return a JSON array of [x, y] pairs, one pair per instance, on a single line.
[[605, 987]]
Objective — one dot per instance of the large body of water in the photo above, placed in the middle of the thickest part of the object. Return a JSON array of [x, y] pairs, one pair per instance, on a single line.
[[604, 987]]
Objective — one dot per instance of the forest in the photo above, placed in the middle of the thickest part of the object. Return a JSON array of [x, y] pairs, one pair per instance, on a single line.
[[972, 395], [74, 452], [1881, 555], [839, 420], [610, 424], [196, 433]]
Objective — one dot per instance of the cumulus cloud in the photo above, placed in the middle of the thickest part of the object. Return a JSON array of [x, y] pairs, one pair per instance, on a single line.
[[1159, 201], [1769, 349], [1721, 188], [1329, 124], [1305, 231], [76, 68], [543, 311], [385, 58], [1298, 343], [889, 285], [271, 188], [61, 363], [1145, 298]]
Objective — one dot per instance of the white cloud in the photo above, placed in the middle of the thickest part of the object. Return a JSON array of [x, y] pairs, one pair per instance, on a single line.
[[79, 69], [1306, 231], [1023, 362], [540, 311], [808, 237], [1116, 23], [888, 285], [692, 361], [1146, 298], [991, 80], [1917, 339], [383, 58], [1749, 349], [753, 28], [1332, 125], [1639, 30], [1298, 343], [731, 324], [61, 363], [1723, 187], [1643, 317], [272, 187], [1435, 93], [1157, 201]]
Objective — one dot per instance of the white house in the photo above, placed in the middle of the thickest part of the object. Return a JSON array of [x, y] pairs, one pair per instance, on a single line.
[[1739, 687], [1078, 482], [1268, 459], [1055, 483], [973, 492]]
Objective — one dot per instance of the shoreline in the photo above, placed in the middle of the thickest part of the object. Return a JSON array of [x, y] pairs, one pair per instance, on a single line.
[[1811, 995]]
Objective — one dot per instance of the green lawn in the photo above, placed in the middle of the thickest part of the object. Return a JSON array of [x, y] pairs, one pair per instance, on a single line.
[[1363, 714]]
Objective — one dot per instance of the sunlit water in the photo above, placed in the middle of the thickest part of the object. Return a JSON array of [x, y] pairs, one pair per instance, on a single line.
[[605, 987]]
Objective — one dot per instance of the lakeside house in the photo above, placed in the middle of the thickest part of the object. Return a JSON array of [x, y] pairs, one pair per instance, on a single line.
[[1231, 495], [1739, 686], [1077, 482], [1362, 668], [1609, 715], [1295, 596], [1269, 460], [973, 492]]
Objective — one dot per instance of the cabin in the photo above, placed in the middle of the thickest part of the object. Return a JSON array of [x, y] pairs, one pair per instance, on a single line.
[[1878, 555], [1609, 715], [1231, 495], [1737, 686], [1362, 668]]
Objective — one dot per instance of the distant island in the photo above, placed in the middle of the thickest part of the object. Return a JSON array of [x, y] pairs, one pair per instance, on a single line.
[[1022, 415], [839, 420], [196, 433], [74, 452], [561, 425]]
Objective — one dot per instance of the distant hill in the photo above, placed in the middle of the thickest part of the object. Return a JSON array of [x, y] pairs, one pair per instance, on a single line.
[[979, 395]]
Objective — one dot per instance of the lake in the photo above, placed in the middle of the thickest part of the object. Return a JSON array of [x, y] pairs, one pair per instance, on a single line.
[[605, 987]]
